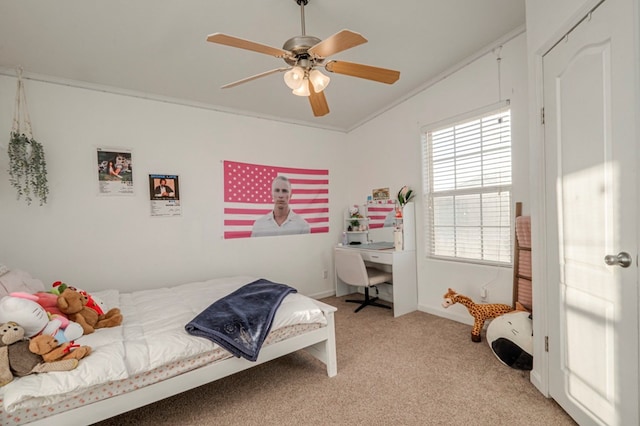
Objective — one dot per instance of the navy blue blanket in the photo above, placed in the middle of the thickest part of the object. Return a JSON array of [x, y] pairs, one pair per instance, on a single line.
[[240, 321]]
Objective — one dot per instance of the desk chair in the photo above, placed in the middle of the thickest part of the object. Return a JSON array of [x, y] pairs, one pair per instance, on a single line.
[[351, 269]]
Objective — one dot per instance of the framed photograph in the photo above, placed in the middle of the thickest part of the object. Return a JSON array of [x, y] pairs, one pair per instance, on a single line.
[[381, 194]]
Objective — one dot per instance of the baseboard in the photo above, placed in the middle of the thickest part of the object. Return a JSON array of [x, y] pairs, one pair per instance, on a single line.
[[463, 317], [322, 294]]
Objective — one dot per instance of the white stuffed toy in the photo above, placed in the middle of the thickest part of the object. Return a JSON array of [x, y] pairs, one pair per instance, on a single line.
[[510, 337], [34, 319]]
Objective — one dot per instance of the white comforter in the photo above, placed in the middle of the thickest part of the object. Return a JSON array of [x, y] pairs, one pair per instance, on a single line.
[[152, 334]]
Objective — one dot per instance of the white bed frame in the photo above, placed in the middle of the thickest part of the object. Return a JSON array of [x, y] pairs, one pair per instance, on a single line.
[[321, 343]]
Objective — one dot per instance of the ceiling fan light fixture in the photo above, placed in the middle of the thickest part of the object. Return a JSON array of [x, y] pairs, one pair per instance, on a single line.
[[303, 90], [319, 80], [294, 77]]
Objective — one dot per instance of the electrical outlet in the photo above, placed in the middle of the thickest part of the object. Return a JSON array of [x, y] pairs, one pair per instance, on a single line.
[[325, 274], [483, 293]]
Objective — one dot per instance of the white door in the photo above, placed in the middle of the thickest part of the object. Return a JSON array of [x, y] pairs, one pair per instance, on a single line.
[[591, 190]]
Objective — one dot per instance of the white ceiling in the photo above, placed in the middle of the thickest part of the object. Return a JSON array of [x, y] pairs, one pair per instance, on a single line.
[[158, 48]]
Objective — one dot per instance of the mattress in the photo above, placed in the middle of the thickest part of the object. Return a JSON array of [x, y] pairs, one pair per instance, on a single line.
[[151, 345]]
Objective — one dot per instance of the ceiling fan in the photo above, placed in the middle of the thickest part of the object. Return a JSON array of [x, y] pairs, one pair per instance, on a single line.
[[305, 54]]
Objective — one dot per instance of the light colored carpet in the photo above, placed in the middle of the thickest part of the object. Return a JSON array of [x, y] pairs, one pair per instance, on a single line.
[[417, 369]]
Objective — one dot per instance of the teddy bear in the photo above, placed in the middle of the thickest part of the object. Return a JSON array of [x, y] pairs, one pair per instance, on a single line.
[[52, 351], [35, 320], [17, 359], [83, 309]]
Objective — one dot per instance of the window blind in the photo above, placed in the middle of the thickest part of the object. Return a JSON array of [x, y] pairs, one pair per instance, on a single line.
[[467, 179]]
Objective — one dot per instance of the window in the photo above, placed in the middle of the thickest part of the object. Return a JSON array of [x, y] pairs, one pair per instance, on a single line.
[[467, 184]]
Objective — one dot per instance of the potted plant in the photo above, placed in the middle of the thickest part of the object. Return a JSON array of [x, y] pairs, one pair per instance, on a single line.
[[405, 195]]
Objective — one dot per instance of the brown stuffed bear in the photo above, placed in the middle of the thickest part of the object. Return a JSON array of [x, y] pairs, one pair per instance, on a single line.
[[52, 351], [17, 360], [80, 307]]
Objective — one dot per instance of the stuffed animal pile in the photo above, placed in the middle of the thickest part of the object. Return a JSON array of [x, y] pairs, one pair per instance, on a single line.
[[33, 317], [41, 354], [38, 328]]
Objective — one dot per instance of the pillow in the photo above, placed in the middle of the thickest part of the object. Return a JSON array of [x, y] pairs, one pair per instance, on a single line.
[[17, 280]]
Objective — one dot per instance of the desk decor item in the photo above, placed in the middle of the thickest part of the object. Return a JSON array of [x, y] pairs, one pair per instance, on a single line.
[[356, 225], [398, 242], [27, 165], [405, 195]]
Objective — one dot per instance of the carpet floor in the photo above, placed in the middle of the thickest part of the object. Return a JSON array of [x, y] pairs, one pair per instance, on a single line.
[[418, 369]]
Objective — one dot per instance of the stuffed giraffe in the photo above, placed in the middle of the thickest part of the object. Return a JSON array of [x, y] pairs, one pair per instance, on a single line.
[[479, 312]]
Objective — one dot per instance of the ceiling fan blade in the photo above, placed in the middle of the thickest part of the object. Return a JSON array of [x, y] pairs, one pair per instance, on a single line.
[[318, 102], [232, 41], [253, 77], [381, 75], [338, 42]]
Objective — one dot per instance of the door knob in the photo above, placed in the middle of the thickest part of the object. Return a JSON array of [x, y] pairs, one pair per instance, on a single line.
[[621, 259]]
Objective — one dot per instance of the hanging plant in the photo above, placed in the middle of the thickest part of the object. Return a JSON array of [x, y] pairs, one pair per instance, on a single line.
[[28, 168], [27, 165]]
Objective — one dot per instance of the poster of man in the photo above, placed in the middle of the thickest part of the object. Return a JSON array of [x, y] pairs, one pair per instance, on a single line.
[[163, 186], [281, 220], [164, 194], [264, 200], [115, 171]]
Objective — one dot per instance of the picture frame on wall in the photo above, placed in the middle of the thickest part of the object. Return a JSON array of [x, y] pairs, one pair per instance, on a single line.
[[380, 194]]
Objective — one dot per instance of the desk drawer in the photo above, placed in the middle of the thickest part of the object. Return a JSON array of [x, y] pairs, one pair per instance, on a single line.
[[377, 257]]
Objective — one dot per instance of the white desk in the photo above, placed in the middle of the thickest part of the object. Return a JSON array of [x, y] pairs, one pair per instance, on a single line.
[[403, 268]]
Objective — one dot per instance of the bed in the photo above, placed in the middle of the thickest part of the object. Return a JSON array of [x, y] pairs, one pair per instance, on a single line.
[[151, 356]]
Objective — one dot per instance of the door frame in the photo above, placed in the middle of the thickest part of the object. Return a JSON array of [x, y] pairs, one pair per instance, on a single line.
[[539, 376]]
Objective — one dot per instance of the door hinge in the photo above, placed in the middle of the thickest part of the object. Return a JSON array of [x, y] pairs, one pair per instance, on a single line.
[[546, 343], [542, 115]]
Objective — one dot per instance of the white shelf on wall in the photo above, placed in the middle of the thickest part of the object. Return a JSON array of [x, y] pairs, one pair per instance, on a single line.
[[358, 236], [406, 222]]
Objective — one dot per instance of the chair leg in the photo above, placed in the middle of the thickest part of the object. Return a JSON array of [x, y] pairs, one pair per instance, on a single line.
[[368, 301]]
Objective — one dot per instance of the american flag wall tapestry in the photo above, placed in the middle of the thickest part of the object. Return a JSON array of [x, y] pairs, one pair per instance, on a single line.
[[255, 195]]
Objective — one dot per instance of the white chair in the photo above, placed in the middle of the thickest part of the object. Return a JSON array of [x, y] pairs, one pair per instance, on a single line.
[[351, 269]]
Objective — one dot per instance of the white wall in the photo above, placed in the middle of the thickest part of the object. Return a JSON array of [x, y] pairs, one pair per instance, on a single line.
[[96, 242], [387, 152]]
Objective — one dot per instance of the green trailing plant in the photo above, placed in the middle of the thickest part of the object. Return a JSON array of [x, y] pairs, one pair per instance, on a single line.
[[27, 168]]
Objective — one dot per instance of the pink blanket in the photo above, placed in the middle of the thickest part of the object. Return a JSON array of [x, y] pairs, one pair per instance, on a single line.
[[523, 231]]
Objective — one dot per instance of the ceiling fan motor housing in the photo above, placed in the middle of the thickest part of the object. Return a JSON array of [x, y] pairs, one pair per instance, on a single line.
[[299, 46]]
